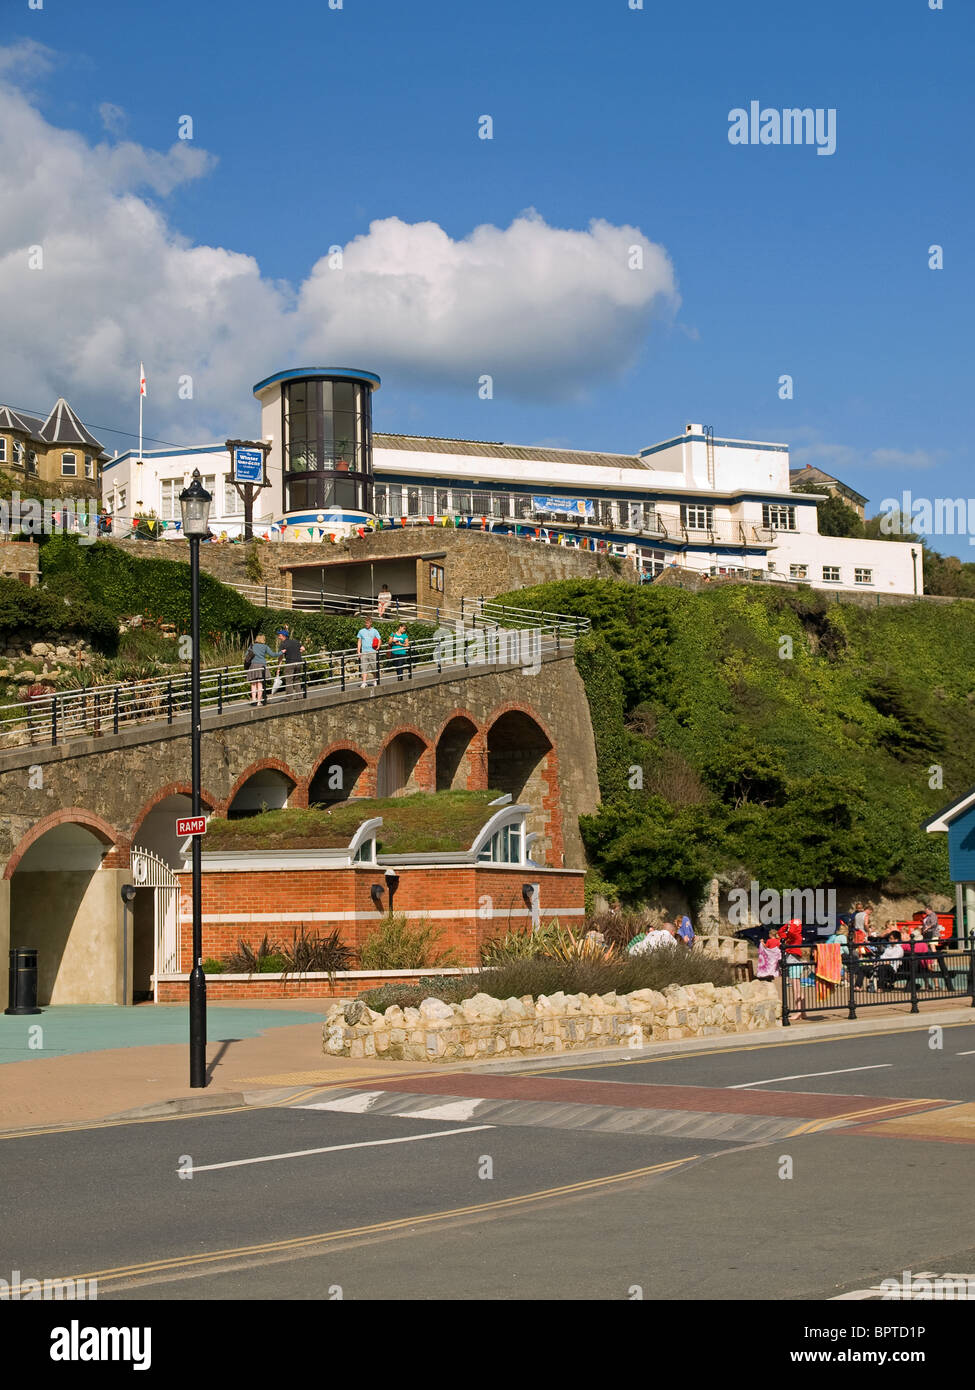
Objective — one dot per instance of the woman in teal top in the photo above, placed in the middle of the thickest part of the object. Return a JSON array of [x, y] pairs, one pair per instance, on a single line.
[[399, 646]]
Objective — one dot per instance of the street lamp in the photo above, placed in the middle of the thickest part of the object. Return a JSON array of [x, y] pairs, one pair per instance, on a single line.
[[194, 503]]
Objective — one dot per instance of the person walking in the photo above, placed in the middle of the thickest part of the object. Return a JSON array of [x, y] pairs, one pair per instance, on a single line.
[[255, 664], [290, 652], [399, 649], [368, 643]]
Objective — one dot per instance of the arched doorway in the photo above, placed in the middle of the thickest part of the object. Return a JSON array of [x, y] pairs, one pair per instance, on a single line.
[[398, 764], [453, 763], [267, 790], [336, 778], [68, 907], [520, 757]]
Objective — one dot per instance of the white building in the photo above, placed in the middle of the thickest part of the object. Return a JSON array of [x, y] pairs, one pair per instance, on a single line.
[[717, 506]]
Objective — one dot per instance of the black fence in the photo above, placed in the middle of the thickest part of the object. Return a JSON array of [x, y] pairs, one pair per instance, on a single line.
[[815, 978]]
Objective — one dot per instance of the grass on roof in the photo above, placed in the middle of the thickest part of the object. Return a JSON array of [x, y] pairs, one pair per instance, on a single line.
[[421, 823]]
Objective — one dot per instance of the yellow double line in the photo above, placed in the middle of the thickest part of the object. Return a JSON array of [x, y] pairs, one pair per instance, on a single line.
[[812, 1126], [297, 1244]]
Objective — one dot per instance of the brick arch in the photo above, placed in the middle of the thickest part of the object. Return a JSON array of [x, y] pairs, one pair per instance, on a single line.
[[263, 765], [366, 785], [542, 786], [117, 856], [467, 768], [423, 773], [209, 803]]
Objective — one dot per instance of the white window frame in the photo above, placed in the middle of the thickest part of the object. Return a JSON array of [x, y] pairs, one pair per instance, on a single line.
[[67, 472], [798, 571], [89, 466], [862, 575], [697, 510], [233, 503], [18, 453], [3, 448], [833, 575], [778, 516]]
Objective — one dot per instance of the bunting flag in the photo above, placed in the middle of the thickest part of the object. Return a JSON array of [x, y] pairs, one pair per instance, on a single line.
[[403, 520], [266, 537], [360, 530], [432, 520], [446, 521], [483, 523]]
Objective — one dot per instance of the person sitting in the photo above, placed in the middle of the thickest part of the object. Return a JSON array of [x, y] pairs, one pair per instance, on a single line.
[[890, 961], [663, 936]]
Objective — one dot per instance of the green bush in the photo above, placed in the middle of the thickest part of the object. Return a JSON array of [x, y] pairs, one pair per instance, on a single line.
[[213, 967], [399, 944], [264, 959], [34, 610]]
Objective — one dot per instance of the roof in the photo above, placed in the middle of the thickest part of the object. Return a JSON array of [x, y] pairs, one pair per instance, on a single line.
[[62, 426], [319, 373], [944, 818], [811, 474], [479, 448]]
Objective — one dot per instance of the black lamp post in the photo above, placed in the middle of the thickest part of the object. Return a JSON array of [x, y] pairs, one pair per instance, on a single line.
[[194, 502]]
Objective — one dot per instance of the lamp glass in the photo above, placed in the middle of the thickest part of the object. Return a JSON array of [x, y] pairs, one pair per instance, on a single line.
[[194, 503]]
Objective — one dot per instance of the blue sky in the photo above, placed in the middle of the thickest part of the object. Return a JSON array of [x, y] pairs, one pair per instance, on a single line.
[[321, 122]]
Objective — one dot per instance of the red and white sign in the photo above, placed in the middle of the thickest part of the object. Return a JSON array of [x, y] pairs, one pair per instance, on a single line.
[[192, 825]]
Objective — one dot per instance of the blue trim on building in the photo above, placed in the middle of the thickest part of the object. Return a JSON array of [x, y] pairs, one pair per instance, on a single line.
[[133, 454], [718, 444], [325, 519], [320, 373]]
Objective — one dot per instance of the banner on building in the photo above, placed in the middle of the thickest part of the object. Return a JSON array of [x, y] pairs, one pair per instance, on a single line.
[[566, 506]]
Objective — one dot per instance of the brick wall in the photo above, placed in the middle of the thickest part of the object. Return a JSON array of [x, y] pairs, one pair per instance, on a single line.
[[473, 903]]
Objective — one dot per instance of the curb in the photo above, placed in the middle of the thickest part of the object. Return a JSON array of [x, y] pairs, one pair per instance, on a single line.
[[182, 1105]]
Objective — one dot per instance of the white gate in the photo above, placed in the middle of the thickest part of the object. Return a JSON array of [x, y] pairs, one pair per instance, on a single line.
[[149, 871]]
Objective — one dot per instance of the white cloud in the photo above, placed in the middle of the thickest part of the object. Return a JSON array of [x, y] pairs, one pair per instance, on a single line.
[[840, 458], [112, 117], [545, 311]]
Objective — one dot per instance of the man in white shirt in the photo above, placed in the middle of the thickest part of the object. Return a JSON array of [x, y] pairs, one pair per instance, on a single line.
[[663, 936], [890, 961]]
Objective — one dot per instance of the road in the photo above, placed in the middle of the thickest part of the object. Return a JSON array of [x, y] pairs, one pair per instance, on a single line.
[[772, 1171]]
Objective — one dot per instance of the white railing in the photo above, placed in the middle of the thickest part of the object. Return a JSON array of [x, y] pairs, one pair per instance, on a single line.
[[97, 711]]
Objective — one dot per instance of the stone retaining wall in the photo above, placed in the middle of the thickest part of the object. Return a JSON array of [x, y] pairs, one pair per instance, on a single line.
[[483, 1027]]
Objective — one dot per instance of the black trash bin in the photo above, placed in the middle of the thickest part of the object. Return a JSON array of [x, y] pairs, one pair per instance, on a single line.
[[23, 981]]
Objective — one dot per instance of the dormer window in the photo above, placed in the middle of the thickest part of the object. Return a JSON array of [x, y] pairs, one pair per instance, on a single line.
[[366, 853], [506, 846]]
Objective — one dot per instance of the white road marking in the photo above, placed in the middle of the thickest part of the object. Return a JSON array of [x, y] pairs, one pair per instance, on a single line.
[[801, 1076], [965, 1054], [453, 1110], [351, 1105], [337, 1148]]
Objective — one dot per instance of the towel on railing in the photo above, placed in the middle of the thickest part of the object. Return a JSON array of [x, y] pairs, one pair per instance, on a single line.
[[829, 966]]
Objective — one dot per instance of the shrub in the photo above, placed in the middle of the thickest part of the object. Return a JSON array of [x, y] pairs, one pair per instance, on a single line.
[[264, 959], [317, 953], [213, 967], [34, 610], [398, 944], [542, 975]]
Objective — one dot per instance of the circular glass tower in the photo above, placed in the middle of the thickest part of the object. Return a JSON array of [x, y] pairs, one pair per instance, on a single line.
[[319, 421]]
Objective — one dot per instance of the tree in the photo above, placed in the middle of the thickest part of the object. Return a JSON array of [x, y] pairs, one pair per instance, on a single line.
[[833, 516]]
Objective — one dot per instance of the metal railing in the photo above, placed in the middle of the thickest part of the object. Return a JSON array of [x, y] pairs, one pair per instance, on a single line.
[[473, 611], [99, 711], [867, 979]]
